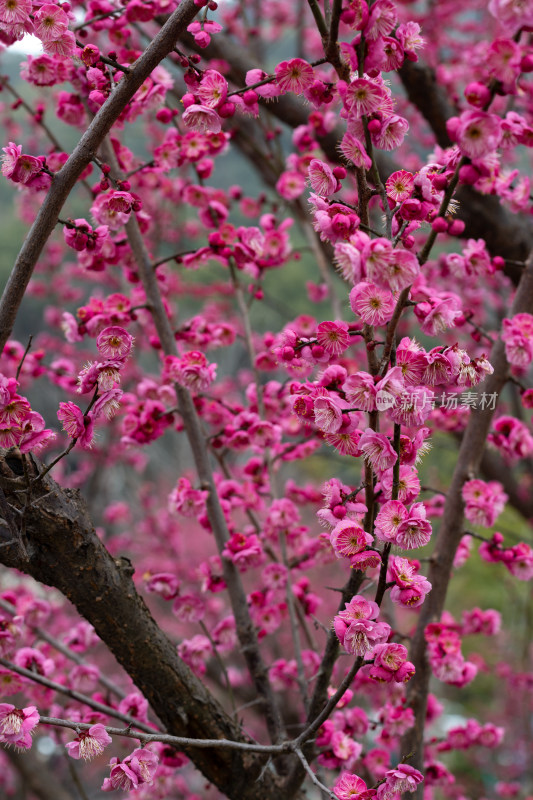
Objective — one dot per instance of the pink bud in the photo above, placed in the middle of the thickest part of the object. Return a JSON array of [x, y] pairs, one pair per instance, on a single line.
[[226, 110], [164, 115], [439, 225], [249, 97], [440, 182], [340, 173], [477, 94], [456, 227], [468, 174], [526, 64], [188, 100]]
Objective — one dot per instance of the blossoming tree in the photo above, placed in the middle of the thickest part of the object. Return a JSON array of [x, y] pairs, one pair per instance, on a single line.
[[249, 618]]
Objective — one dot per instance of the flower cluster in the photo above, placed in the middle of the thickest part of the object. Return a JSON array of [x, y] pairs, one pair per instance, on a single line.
[[135, 770], [20, 426], [17, 724], [445, 656], [101, 377], [484, 501], [356, 628]]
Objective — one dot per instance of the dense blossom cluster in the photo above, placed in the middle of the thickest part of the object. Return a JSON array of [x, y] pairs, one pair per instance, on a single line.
[[410, 346]]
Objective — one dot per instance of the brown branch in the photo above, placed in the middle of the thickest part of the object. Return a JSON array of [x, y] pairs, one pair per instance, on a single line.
[[64, 181], [422, 89], [452, 528]]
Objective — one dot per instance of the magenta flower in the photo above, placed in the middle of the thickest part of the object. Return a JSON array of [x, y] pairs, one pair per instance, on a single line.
[[478, 133], [360, 391], [403, 778], [15, 11], [114, 342], [377, 450], [321, 178], [50, 21], [137, 768], [295, 75], [328, 414], [354, 150], [347, 538], [201, 118], [415, 531], [89, 743], [16, 724], [391, 133], [77, 424], [362, 96], [355, 628], [213, 88], [121, 777], [374, 305], [389, 519], [333, 336], [18, 167]]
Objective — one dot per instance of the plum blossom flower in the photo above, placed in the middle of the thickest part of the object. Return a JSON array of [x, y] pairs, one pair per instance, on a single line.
[[328, 414], [362, 96], [50, 22], [114, 342], [202, 119], [18, 167], [15, 11], [518, 337], [213, 88], [484, 501], [295, 75], [333, 336], [78, 425], [354, 150], [411, 588], [185, 500], [390, 663], [415, 531], [377, 450], [348, 538], [403, 778], [63, 45], [352, 787], [290, 184], [321, 178], [355, 628], [359, 390], [512, 14], [89, 743], [374, 305], [16, 724], [477, 132], [400, 185], [391, 133]]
